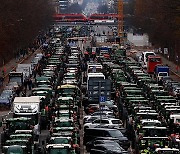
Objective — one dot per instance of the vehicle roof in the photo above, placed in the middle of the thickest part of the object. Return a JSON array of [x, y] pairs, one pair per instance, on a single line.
[[61, 137], [65, 98], [31, 99], [150, 120], [100, 129], [153, 127], [58, 146], [67, 86], [167, 149]]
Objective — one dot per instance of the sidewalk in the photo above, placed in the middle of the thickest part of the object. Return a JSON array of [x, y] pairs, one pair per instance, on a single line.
[[10, 66]]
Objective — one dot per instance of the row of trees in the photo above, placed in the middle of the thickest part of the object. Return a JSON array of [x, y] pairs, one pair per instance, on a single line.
[[161, 20], [20, 23]]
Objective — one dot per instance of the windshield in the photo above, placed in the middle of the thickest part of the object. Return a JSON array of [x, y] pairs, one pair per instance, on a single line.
[[168, 152], [59, 151], [157, 60], [163, 74], [115, 133], [148, 116], [60, 141], [68, 90], [15, 150], [5, 92], [15, 153], [98, 113], [115, 121], [96, 78], [113, 148], [19, 125], [3, 98], [149, 54], [154, 142], [15, 79], [177, 120], [63, 124], [155, 132]]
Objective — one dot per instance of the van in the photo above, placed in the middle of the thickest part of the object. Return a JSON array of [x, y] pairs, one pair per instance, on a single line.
[[92, 133], [144, 58]]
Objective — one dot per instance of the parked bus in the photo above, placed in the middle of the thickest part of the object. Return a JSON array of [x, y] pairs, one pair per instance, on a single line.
[[153, 61]]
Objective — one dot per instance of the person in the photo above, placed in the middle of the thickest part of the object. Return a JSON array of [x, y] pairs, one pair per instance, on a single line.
[[25, 83], [1, 81], [29, 82], [131, 133], [18, 91], [160, 82]]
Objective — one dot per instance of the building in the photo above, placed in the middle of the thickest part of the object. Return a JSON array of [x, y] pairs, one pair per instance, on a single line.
[[63, 5], [110, 4], [55, 3]]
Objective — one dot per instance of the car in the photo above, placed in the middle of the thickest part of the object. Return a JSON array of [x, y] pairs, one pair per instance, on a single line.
[[8, 93], [4, 100], [120, 128], [92, 133], [91, 108], [169, 84], [93, 143], [92, 118], [110, 104], [103, 113], [102, 121], [15, 85], [106, 149], [175, 90]]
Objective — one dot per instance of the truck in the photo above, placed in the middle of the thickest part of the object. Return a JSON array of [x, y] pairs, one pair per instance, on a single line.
[[28, 107], [25, 68], [17, 77], [153, 61], [161, 71], [94, 76]]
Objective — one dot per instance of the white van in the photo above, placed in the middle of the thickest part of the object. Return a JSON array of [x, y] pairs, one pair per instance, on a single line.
[[144, 58]]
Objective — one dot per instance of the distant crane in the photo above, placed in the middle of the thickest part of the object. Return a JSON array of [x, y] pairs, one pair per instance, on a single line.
[[120, 20]]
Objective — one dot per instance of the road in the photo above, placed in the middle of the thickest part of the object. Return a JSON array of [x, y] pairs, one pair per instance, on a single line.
[[101, 33]]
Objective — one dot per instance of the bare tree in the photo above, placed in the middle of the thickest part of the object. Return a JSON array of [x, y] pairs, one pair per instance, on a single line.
[[20, 22], [161, 20]]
